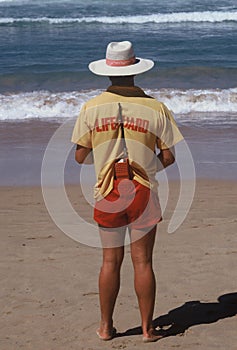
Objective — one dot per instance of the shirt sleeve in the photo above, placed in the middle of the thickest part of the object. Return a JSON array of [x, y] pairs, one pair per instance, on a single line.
[[168, 132], [81, 133]]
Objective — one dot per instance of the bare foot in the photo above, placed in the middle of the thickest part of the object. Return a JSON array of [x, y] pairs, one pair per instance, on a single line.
[[152, 336], [106, 334]]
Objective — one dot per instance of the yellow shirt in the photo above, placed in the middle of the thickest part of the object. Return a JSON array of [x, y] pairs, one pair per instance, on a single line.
[[147, 122]]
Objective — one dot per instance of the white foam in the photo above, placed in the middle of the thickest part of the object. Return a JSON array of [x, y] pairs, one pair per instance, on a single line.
[[174, 17], [185, 104], [42, 105], [202, 101]]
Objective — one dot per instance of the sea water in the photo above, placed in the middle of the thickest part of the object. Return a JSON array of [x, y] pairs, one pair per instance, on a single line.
[[46, 45]]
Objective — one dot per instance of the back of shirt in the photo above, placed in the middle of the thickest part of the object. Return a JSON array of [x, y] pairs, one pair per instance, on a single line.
[[147, 124]]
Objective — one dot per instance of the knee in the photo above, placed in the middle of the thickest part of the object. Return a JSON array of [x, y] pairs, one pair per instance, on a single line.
[[112, 263], [141, 260]]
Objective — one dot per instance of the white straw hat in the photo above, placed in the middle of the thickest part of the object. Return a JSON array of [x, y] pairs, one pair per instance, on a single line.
[[120, 61]]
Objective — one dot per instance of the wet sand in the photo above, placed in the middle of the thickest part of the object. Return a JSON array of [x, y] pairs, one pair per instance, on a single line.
[[23, 144]]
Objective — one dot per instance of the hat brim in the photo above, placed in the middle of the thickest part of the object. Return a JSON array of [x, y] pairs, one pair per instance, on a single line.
[[101, 68]]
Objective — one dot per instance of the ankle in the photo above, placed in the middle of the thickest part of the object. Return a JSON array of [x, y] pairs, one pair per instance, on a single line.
[[106, 326], [147, 330]]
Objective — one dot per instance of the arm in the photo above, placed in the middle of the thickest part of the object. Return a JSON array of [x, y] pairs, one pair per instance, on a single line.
[[83, 155], [169, 135], [166, 157]]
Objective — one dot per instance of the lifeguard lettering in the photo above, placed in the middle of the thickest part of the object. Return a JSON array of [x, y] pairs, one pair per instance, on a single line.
[[136, 124], [111, 123], [106, 124]]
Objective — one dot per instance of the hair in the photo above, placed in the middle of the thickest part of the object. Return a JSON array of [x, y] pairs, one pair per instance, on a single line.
[[122, 80]]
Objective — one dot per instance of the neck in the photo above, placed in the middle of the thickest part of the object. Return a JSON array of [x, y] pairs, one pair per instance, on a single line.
[[122, 81]]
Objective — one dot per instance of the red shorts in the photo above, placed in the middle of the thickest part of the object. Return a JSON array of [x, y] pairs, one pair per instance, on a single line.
[[129, 203]]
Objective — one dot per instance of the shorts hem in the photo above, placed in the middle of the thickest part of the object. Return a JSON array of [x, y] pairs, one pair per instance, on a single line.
[[130, 225]]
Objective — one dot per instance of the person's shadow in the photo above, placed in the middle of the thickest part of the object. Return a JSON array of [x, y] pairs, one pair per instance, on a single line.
[[192, 313]]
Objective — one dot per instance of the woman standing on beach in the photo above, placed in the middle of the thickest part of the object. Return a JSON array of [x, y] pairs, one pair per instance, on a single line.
[[124, 126]]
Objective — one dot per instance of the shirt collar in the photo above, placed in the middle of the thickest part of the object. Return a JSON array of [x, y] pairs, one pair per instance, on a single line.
[[127, 91]]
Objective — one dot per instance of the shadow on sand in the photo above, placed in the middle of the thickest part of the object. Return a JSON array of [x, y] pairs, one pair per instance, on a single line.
[[192, 313]]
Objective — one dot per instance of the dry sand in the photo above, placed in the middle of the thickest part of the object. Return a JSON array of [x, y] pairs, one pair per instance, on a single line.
[[49, 293]]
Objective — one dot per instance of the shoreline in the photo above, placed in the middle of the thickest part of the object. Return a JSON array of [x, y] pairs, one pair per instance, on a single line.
[[23, 145]]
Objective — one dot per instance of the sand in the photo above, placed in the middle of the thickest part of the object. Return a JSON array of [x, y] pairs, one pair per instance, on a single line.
[[49, 293]]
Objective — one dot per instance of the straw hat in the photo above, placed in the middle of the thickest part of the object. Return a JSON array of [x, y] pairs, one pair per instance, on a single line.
[[120, 61]]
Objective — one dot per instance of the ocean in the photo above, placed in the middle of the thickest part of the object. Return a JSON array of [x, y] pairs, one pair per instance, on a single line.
[[46, 45]]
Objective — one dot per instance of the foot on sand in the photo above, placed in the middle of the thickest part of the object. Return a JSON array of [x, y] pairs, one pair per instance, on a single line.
[[106, 335], [151, 336]]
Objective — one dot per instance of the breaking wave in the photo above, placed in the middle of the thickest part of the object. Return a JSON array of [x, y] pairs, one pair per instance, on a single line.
[[176, 17], [212, 106]]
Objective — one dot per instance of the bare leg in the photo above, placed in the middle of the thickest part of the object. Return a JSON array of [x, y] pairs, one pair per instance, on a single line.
[[144, 280], [109, 279]]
